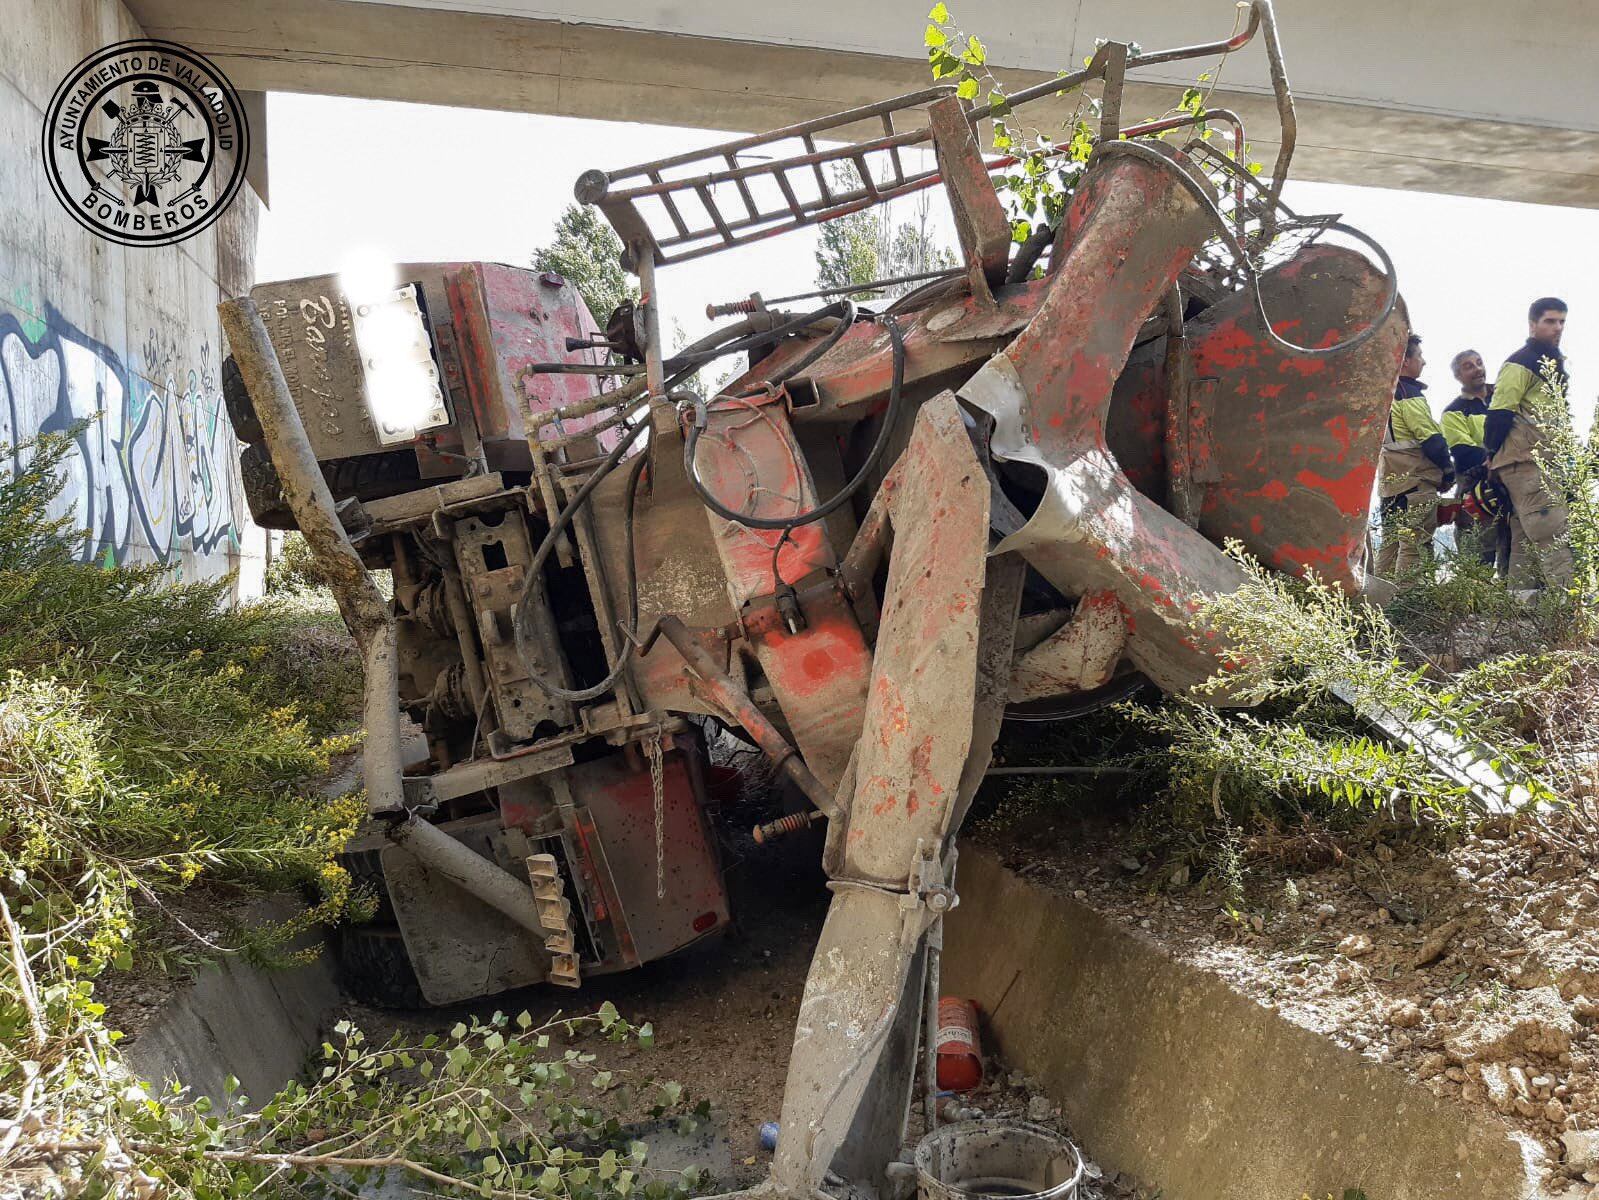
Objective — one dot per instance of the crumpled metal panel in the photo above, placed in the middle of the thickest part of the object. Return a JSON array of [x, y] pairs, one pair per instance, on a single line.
[[749, 459], [1285, 445], [917, 729], [1135, 227], [924, 718], [1079, 656]]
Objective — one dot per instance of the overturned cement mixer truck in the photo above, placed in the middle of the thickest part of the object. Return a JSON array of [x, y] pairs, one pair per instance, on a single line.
[[1004, 493]]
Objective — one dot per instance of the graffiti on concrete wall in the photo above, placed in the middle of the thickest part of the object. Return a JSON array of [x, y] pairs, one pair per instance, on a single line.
[[154, 474]]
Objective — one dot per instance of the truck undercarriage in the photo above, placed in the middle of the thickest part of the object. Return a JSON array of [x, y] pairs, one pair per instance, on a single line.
[[1004, 494]]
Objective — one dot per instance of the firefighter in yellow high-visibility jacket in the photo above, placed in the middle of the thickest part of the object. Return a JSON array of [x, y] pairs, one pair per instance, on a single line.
[[1413, 468], [1482, 528], [1532, 380]]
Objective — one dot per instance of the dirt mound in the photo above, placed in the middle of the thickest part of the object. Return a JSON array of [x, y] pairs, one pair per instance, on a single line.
[[1471, 962]]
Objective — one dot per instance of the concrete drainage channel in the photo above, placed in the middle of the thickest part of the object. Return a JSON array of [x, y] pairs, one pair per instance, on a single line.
[[259, 1025], [1172, 1077], [1167, 1074]]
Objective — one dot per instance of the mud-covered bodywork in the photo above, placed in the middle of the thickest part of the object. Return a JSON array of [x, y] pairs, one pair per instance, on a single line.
[[1004, 494]]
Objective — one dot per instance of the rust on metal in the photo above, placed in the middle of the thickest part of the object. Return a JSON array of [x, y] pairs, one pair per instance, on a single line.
[[735, 703], [1013, 488]]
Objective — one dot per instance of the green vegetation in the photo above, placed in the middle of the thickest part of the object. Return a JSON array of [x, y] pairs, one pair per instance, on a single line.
[[1313, 660], [294, 570], [1047, 166], [150, 734], [1571, 465], [153, 742], [866, 245], [588, 253], [1287, 760]]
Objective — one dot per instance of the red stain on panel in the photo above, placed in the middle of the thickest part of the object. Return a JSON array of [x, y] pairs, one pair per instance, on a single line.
[[1350, 492]]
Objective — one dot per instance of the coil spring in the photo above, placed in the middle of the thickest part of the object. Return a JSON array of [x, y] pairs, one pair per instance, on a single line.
[[784, 826]]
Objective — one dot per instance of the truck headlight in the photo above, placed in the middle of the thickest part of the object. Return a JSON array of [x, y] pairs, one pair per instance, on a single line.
[[403, 390]]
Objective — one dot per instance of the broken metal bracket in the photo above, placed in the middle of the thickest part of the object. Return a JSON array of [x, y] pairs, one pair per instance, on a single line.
[[1469, 765]]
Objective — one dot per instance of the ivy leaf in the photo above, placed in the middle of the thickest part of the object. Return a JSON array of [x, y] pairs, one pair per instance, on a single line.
[[974, 52], [967, 89], [939, 13], [608, 1015], [933, 36]]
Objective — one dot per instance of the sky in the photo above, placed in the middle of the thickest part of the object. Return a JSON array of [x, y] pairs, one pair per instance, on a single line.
[[357, 179]]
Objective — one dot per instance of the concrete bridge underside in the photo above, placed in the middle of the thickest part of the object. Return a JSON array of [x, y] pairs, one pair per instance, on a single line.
[[1457, 96]]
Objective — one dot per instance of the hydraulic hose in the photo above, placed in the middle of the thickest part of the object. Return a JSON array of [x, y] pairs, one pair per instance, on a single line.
[[873, 458], [1241, 256], [704, 351], [524, 601], [692, 360]]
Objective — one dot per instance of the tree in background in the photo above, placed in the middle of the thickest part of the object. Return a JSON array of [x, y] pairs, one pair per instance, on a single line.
[[866, 245], [587, 251]]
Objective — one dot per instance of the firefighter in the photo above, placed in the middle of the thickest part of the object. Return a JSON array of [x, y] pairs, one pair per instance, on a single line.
[[1533, 378], [1483, 525], [1413, 467]]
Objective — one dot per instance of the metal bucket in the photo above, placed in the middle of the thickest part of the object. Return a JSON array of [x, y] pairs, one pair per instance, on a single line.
[[980, 1160]]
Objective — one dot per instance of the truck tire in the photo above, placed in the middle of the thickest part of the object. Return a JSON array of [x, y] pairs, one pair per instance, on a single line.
[[263, 490], [370, 477], [375, 969], [246, 426], [366, 872]]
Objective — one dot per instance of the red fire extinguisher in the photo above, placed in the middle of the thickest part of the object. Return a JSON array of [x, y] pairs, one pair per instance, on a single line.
[[960, 1058]]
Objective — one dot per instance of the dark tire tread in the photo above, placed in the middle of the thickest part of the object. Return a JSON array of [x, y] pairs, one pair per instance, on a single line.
[[375, 969], [246, 425], [366, 872]]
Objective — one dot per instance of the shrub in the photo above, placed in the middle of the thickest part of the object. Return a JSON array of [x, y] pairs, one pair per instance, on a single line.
[[152, 736]]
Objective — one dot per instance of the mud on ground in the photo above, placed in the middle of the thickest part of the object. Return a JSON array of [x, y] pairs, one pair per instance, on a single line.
[[723, 1015]]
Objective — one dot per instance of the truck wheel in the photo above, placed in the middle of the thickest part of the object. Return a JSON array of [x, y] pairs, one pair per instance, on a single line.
[[246, 426], [263, 490], [366, 872], [375, 969], [370, 477]]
